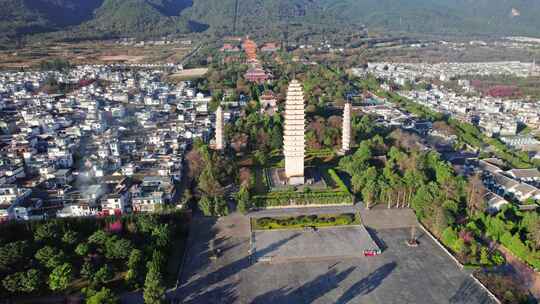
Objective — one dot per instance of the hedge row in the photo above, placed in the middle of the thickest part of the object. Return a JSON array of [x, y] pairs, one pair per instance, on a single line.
[[305, 221], [337, 180], [320, 153], [298, 198]]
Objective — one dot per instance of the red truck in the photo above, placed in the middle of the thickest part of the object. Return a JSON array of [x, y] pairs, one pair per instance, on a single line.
[[372, 252]]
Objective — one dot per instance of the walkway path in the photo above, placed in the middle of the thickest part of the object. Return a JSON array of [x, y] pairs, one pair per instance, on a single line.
[[384, 218], [522, 272]]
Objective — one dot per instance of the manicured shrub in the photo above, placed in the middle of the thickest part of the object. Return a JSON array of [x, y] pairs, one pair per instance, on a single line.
[[497, 258], [301, 221]]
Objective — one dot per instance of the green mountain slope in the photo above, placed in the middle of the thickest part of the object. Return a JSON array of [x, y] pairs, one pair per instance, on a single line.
[[136, 16], [156, 17], [444, 16], [422, 16], [30, 16]]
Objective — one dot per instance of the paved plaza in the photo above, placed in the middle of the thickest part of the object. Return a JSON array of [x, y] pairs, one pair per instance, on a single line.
[[400, 275], [322, 243]]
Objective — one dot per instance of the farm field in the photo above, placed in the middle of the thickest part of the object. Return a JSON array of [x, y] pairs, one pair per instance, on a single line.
[[102, 52]]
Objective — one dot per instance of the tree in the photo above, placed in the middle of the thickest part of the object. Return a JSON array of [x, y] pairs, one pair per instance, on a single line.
[[22, 282], [99, 238], [82, 249], [116, 248], [449, 237], [221, 208], [369, 193], [206, 205], [103, 296], [186, 196], [157, 261], [484, 256], [162, 235], [12, 254], [475, 194], [47, 231], [242, 199], [134, 265], [13, 282], [531, 222], [208, 183], [422, 200], [361, 179], [276, 138], [135, 259], [153, 287], [194, 163], [439, 219], [50, 257], [32, 281], [261, 158], [103, 275], [87, 270], [60, 277], [146, 223], [70, 237]]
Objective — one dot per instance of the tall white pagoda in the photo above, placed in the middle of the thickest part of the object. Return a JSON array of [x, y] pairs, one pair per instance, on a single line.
[[293, 137], [220, 137], [346, 135]]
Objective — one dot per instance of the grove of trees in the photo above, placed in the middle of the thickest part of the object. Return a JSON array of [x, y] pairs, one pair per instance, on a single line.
[[101, 256]]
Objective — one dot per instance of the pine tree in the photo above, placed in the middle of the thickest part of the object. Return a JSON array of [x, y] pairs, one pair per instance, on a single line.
[[153, 287], [242, 199]]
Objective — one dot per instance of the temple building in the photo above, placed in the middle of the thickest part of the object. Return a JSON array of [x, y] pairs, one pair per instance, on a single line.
[[250, 47], [346, 140], [268, 102], [270, 47], [293, 137], [220, 137], [256, 74]]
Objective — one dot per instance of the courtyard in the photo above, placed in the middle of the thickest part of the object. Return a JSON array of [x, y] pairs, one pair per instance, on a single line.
[[425, 274], [305, 245]]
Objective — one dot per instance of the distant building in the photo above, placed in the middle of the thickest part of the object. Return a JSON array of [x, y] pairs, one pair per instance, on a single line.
[[229, 48], [521, 142], [525, 175], [494, 202], [270, 47], [256, 74], [268, 102], [154, 192]]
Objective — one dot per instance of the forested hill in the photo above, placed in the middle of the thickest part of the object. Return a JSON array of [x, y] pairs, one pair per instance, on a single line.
[[93, 17], [155, 17]]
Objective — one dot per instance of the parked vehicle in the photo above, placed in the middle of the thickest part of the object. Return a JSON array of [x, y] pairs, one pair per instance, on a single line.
[[372, 252]]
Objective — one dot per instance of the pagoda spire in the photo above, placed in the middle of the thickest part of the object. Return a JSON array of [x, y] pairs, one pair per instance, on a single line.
[[293, 137]]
